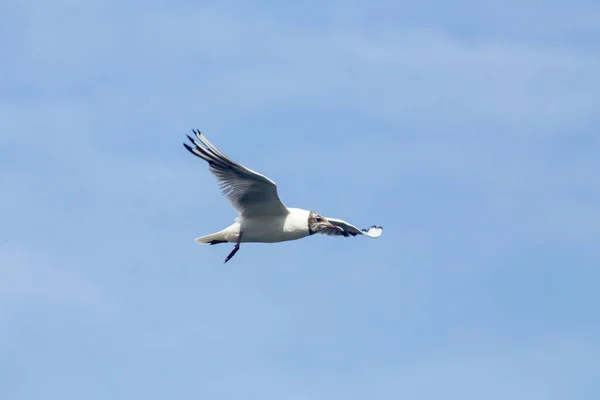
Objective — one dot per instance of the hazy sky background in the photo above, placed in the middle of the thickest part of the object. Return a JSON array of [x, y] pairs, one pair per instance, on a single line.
[[468, 130]]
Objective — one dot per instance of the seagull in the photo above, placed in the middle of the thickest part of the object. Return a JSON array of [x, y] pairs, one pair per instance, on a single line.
[[263, 218]]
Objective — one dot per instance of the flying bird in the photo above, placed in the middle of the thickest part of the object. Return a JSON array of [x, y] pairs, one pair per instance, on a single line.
[[263, 218]]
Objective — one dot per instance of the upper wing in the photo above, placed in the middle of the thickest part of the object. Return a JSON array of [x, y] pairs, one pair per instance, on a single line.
[[349, 229], [249, 192]]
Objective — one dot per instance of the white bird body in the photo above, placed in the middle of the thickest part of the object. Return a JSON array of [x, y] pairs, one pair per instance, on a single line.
[[263, 218], [264, 228]]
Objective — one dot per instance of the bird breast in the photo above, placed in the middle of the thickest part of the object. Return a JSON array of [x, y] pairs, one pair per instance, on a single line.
[[269, 229]]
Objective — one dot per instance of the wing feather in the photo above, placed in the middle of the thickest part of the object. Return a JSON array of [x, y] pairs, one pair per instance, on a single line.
[[351, 230], [250, 193]]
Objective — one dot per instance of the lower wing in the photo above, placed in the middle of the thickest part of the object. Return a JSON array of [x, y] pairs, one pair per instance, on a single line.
[[351, 230]]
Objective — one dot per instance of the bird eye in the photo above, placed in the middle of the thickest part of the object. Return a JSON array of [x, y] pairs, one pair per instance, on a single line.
[[319, 219]]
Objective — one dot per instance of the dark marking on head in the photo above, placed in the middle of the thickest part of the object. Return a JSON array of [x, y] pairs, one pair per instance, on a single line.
[[319, 224], [312, 223]]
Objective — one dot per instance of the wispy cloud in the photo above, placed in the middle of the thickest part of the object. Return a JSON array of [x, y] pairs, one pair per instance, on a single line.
[[467, 131]]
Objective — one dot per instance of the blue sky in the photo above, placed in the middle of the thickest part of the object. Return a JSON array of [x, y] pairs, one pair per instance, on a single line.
[[469, 130]]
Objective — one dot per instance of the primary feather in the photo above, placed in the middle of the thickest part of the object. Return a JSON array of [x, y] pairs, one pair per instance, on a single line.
[[250, 193]]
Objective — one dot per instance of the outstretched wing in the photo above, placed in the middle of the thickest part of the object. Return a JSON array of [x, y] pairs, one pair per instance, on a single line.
[[351, 230], [250, 193]]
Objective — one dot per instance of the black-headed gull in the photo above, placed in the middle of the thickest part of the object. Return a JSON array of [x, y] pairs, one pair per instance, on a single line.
[[263, 218]]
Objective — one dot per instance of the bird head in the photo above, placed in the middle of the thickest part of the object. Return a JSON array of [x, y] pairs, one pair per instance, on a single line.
[[320, 224]]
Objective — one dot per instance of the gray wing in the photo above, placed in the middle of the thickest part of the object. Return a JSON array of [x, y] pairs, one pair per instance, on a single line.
[[250, 193], [351, 230]]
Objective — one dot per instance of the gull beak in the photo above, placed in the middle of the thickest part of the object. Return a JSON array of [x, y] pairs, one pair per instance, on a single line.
[[334, 227]]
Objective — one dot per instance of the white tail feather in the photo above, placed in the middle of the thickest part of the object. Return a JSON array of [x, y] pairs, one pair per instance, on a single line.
[[213, 237]]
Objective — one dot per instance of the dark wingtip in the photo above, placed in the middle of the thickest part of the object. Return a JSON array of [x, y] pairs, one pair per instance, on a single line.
[[197, 133], [189, 148], [373, 226], [190, 138]]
